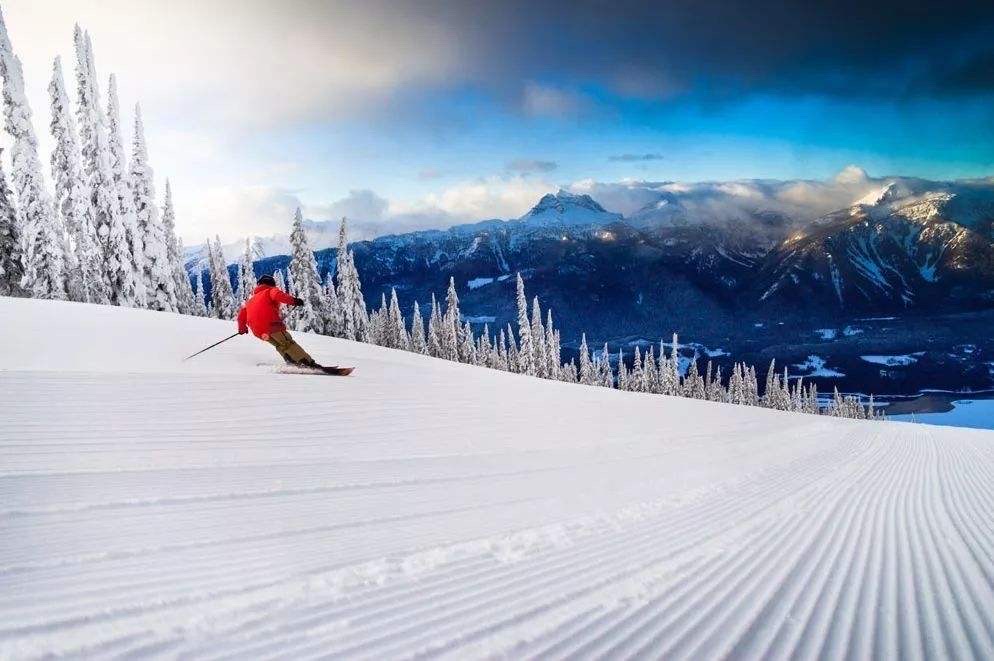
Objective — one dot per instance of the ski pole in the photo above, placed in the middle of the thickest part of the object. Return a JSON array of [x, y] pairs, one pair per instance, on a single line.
[[211, 346]]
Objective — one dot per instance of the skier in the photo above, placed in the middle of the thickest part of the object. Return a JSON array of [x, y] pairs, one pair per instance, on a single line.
[[261, 314]]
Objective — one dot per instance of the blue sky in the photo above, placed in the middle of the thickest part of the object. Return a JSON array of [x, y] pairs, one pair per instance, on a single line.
[[419, 114]]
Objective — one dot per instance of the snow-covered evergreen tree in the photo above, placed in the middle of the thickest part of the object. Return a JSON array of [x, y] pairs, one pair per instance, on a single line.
[[126, 199], [586, 374], [513, 352], [332, 308], [500, 360], [419, 343], [553, 351], [434, 330], [200, 301], [185, 301], [484, 349], [526, 350], [398, 330], [41, 246], [11, 268], [64, 158], [650, 373], [222, 296], [538, 340], [451, 335], [123, 280], [303, 267], [246, 274], [158, 267], [83, 275], [467, 350], [344, 285], [604, 364], [355, 317], [622, 371]]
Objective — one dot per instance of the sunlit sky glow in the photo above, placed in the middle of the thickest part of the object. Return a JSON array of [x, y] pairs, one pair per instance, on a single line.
[[422, 114]]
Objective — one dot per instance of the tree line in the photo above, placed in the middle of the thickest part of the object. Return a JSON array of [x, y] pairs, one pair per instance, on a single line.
[[98, 235], [531, 347]]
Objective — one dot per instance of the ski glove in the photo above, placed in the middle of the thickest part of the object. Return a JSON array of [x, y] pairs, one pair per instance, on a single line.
[[298, 301]]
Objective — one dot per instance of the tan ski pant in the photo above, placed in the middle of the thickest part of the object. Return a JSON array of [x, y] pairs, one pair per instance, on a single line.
[[288, 348]]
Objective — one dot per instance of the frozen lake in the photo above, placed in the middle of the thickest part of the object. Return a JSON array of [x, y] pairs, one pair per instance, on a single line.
[[976, 412]]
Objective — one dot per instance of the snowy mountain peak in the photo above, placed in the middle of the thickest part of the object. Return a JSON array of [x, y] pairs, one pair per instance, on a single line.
[[565, 208], [878, 196]]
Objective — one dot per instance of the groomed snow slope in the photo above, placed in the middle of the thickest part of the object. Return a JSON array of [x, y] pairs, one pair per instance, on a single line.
[[217, 509]]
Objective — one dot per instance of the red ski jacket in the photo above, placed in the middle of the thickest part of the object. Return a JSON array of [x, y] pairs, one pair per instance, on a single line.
[[261, 313]]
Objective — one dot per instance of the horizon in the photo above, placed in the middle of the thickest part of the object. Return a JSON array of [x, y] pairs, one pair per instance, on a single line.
[[458, 114], [802, 200]]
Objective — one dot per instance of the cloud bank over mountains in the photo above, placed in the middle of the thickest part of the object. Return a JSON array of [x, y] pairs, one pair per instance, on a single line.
[[371, 215]]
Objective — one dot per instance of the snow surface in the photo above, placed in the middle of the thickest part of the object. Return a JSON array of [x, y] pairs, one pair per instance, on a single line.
[[150, 507], [977, 413], [891, 361], [816, 366], [476, 283]]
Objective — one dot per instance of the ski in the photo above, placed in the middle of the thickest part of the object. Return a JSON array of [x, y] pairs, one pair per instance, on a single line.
[[337, 371], [316, 370]]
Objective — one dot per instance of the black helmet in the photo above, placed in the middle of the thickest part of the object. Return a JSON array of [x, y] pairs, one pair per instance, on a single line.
[[267, 280]]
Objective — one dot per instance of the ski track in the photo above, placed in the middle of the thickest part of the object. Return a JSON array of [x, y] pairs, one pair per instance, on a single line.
[[421, 509]]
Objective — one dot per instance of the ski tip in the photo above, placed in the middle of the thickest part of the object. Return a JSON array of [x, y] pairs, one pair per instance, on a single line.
[[338, 371]]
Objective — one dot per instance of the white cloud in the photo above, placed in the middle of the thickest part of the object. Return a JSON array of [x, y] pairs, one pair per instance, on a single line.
[[239, 61], [546, 101], [529, 165], [737, 200], [236, 211], [363, 205], [493, 197], [624, 197]]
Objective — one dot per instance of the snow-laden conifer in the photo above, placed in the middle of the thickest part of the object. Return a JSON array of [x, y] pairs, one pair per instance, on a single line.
[[538, 339], [222, 296], [500, 354], [246, 274], [303, 266], [622, 371], [451, 336], [526, 346], [553, 351], [434, 329], [586, 366], [11, 268], [42, 250], [603, 363], [513, 353], [185, 301], [419, 343], [85, 279], [158, 269], [332, 308], [484, 349], [134, 255], [344, 284], [355, 317], [200, 300], [467, 350], [117, 259], [398, 330]]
